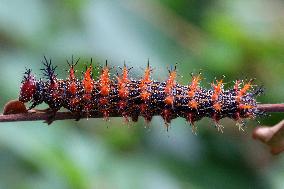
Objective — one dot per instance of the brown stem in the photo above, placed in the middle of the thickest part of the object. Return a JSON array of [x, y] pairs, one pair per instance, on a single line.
[[36, 115], [271, 107]]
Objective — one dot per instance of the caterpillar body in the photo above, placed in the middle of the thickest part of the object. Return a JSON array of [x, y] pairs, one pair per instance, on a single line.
[[130, 98]]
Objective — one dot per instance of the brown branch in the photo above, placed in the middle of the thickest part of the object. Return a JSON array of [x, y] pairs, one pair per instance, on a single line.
[[271, 107], [37, 115]]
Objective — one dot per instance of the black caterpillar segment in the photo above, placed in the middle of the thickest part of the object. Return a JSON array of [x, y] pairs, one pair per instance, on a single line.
[[145, 97]]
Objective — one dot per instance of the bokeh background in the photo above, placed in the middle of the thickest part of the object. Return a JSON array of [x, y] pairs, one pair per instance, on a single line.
[[239, 39]]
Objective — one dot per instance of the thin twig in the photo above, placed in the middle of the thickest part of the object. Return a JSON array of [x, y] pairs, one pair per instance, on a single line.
[[34, 116], [271, 107]]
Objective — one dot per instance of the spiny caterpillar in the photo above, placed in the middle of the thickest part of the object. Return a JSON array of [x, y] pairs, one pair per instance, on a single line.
[[131, 98]]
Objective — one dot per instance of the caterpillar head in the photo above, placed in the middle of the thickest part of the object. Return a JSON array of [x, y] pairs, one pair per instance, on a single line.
[[28, 87]]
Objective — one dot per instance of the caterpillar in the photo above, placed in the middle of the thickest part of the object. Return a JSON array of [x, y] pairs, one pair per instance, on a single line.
[[131, 98]]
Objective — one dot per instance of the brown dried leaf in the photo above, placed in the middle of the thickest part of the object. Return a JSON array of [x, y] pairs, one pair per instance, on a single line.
[[271, 136]]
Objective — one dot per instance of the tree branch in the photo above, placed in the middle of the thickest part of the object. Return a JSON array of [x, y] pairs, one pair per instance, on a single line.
[[37, 115], [271, 107]]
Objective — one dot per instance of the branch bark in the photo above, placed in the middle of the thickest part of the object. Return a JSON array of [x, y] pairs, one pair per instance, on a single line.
[[271, 107], [36, 115]]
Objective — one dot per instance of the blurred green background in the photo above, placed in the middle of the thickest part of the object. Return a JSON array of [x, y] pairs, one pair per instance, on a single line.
[[239, 39]]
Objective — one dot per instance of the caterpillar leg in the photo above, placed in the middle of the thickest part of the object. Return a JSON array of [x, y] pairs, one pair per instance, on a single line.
[[219, 126], [190, 119], [34, 104], [77, 115], [193, 129], [240, 124], [51, 116]]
